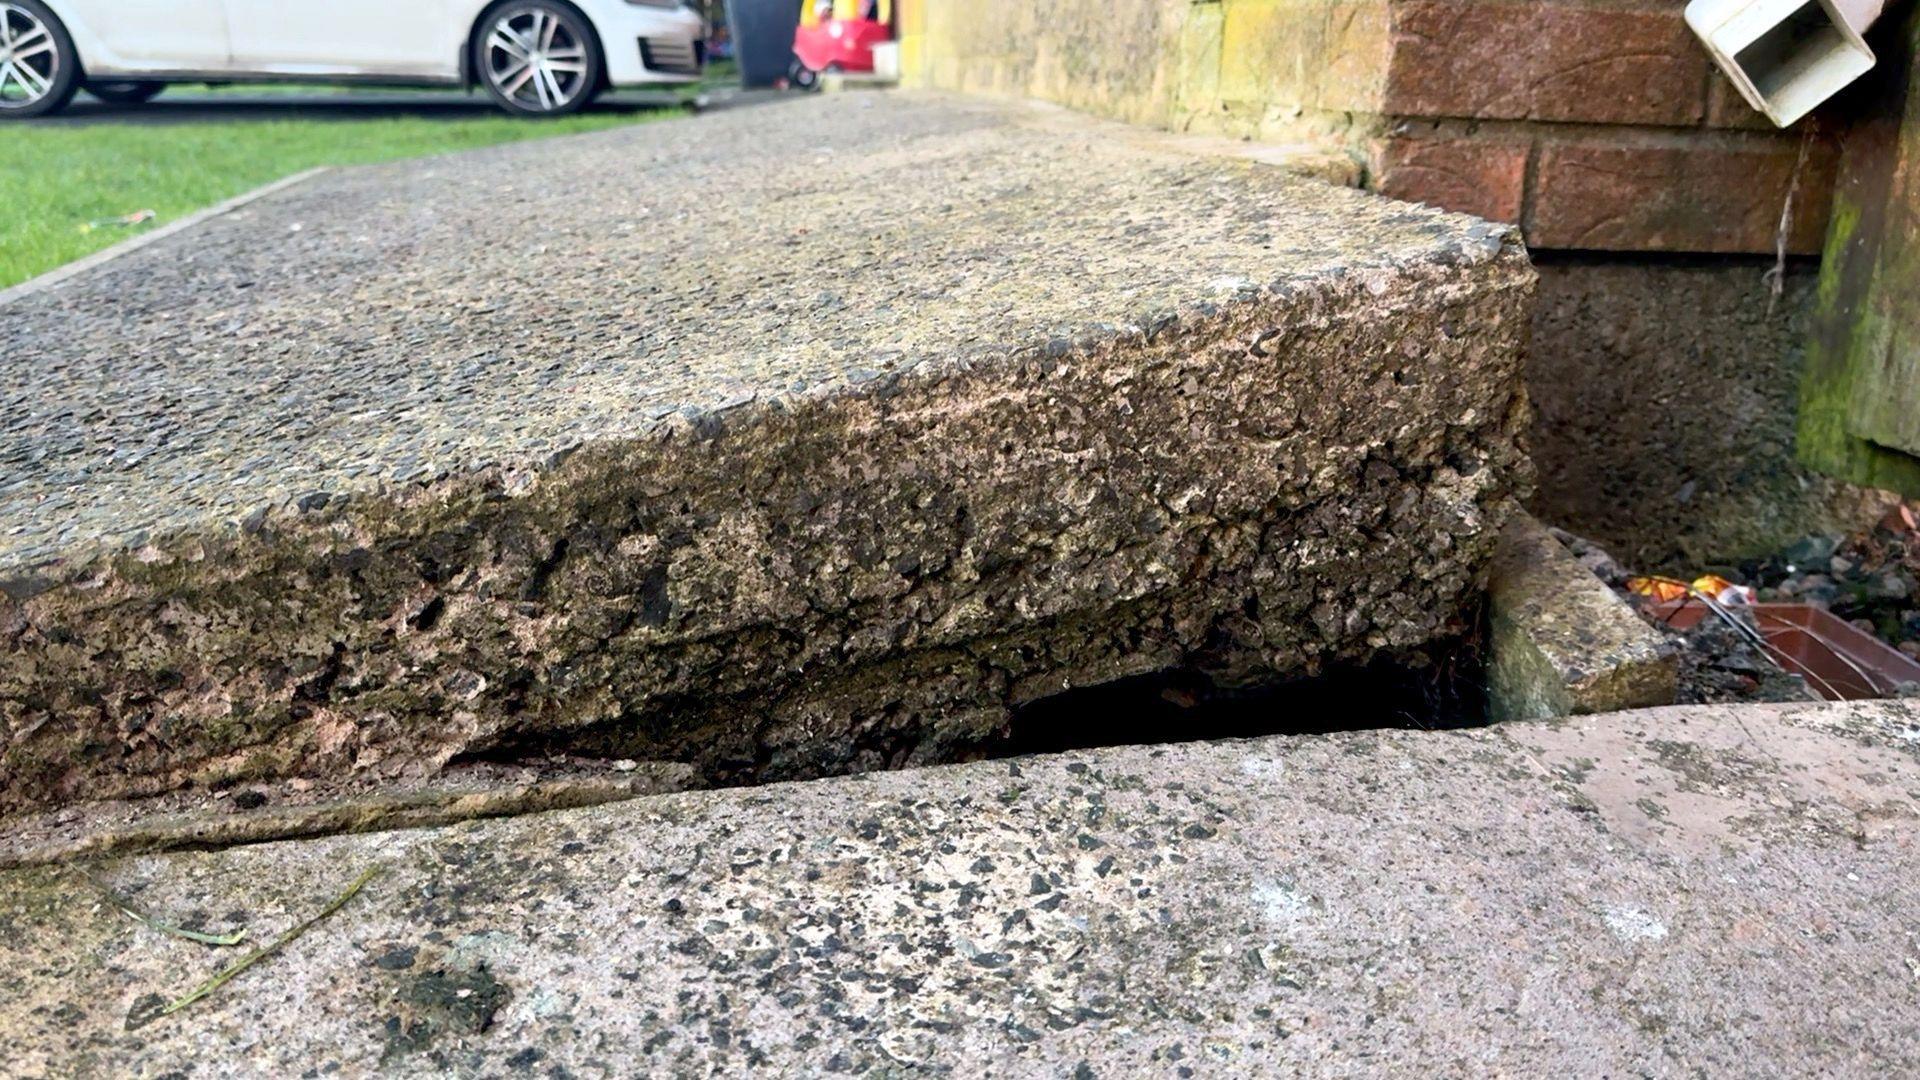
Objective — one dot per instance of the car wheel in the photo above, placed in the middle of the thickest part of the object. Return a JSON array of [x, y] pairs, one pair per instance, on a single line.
[[802, 77], [38, 69], [537, 58], [125, 93]]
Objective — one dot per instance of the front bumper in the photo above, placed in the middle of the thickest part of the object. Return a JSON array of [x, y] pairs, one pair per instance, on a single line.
[[645, 45]]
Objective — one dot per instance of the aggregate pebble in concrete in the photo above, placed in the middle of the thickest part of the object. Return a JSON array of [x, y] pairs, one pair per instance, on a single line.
[[1711, 890], [779, 441]]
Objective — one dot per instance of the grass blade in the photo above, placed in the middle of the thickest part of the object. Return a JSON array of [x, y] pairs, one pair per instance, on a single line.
[[270, 947], [126, 908]]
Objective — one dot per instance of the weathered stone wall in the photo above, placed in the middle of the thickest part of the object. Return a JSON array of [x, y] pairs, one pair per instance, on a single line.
[[1664, 394], [1274, 70], [1117, 59]]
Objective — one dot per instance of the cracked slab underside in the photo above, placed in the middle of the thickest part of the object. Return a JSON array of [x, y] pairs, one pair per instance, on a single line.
[[779, 441], [1702, 890]]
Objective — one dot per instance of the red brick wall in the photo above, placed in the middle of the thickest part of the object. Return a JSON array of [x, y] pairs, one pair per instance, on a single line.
[[1599, 125]]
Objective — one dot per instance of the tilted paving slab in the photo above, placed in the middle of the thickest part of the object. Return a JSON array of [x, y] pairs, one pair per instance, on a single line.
[[1703, 890], [779, 441]]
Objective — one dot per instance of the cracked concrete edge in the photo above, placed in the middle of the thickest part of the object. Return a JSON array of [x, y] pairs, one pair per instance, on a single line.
[[824, 721], [203, 821], [1563, 643], [62, 274]]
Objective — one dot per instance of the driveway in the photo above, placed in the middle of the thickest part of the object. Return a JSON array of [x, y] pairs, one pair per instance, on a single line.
[[191, 105]]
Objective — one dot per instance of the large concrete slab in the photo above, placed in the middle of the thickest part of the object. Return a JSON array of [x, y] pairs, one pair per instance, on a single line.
[[1682, 891], [779, 441]]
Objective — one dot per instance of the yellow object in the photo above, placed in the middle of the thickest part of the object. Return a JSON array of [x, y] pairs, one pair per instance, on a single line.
[[843, 9], [1667, 590]]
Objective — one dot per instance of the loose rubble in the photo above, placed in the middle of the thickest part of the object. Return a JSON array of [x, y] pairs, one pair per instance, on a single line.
[[1871, 579]]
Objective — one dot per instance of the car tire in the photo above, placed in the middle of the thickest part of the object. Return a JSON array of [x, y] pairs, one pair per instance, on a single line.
[[125, 93], [801, 77], [40, 71], [537, 58]]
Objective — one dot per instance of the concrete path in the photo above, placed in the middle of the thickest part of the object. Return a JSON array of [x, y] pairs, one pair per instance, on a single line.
[[784, 440], [1687, 891]]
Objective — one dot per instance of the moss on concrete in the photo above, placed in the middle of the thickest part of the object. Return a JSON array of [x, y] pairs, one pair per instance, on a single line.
[[1562, 643]]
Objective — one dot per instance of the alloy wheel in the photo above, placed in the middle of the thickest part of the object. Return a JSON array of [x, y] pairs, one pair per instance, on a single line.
[[29, 63], [535, 60]]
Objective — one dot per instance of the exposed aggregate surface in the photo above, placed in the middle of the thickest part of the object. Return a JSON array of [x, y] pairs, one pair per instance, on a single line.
[[498, 307], [779, 441], [1710, 890]]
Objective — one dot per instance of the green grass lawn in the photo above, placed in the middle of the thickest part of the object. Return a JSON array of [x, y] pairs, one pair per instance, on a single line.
[[54, 180]]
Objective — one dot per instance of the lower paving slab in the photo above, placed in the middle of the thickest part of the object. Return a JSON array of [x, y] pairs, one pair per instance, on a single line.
[[780, 441], [1700, 891]]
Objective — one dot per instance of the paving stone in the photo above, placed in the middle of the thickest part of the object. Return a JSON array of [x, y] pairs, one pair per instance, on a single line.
[[1704, 890], [778, 441], [1562, 641]]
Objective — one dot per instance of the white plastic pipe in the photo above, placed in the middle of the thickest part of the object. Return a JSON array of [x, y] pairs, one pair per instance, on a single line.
[[1786, 56], [1859, 14]]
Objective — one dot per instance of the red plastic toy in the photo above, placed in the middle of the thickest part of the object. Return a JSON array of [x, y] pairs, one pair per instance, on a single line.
[[828, 44]]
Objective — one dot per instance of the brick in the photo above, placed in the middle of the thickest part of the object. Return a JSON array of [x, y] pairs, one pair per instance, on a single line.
[[1707, 194], [1479, 176], [1618, 67], [1452, 59], [1538, 61]]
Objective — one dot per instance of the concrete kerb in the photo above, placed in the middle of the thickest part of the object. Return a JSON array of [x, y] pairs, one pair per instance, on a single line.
[[1563, 643]]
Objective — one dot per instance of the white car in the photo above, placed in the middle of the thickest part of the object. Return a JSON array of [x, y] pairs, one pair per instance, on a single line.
[[535, 57]]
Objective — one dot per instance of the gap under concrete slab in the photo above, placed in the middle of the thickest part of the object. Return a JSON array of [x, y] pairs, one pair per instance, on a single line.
[[1440, 686]]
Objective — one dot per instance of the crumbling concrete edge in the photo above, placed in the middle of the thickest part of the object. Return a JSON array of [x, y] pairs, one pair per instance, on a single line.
[[117, 828], [1562, 642], [61, 274], [964, 678]]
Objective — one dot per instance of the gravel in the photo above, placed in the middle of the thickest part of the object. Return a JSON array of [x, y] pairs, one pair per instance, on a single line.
[[1871, 579]]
